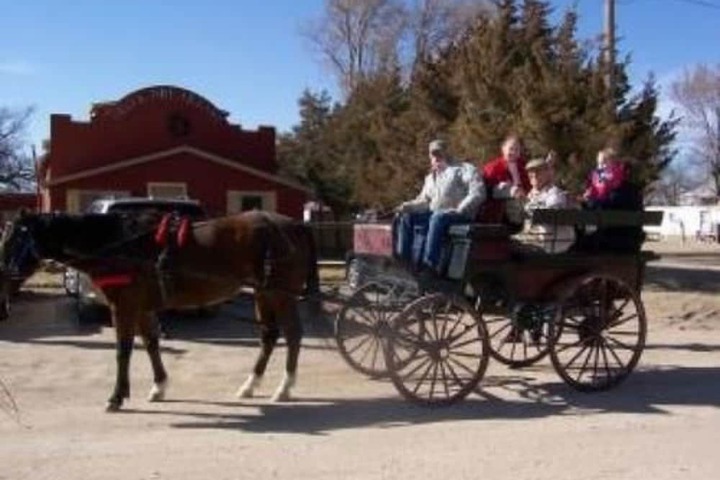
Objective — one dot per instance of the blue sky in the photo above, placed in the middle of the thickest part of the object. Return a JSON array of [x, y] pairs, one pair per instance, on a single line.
[[248, 57]]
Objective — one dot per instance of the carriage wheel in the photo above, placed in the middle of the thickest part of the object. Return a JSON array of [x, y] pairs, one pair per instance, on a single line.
[[437, 351], [598, 334], [362, 323], [522, 338]]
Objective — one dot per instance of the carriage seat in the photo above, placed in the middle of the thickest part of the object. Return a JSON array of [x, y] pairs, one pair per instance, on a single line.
[[479, 231], [601, 231], [474, 242]]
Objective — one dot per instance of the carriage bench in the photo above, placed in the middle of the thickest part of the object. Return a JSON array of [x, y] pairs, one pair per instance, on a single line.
[[473, 243], [597, 218], [602, 231]]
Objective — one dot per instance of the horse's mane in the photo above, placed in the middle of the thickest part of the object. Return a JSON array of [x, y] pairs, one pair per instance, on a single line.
[[98, 234]]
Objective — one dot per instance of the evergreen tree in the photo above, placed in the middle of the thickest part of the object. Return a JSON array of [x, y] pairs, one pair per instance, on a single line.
[[308, 153], [510, 71]]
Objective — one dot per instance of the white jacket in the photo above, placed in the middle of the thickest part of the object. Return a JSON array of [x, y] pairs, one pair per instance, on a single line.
[[458, 186], [552, 238]]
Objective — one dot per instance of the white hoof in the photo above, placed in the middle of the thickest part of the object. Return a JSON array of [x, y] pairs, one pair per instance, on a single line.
[[280, 397], [282, 394], [157, 392], [247, 389]]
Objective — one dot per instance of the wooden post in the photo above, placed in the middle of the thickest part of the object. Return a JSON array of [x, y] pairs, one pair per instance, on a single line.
[[609, 46]]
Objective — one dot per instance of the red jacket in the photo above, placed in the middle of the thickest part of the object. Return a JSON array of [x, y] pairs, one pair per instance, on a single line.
[[494, 172], [604, 181]]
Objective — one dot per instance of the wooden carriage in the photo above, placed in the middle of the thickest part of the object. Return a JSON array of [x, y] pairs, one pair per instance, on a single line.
[[495, 297]]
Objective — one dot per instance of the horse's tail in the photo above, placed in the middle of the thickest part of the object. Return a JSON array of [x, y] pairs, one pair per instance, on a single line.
[[312, 282]]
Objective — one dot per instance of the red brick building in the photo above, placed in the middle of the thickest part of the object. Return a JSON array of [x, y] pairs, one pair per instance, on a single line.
[[164, 141]]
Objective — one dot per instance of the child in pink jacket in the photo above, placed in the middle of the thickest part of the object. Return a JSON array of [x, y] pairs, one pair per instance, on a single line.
[[606, 178]]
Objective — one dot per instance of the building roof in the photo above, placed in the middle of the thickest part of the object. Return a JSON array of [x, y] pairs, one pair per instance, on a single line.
[[143, 159]]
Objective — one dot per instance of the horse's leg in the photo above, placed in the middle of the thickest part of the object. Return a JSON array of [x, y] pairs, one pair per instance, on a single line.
[[269, 334], [150, 331], [124, 330], [293, 336]]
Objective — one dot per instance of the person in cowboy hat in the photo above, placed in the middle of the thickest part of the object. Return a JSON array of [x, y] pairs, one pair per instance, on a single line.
[[545, 194]]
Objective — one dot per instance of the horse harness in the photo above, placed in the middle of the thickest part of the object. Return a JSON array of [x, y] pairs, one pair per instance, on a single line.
[[171, 234]]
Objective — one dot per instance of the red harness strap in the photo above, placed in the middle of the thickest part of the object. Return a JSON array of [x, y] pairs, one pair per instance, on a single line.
[[163, 231], [113, 280], [182, 233]]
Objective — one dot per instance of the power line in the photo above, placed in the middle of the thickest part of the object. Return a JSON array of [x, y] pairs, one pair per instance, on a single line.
[[698, 3], [702, 3]]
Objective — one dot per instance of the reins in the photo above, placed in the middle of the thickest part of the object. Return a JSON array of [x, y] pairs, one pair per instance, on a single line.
[[100, 254]]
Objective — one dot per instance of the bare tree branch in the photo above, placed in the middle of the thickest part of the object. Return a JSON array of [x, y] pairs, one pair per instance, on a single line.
[[698, 94], [358, 39], [16, 168]]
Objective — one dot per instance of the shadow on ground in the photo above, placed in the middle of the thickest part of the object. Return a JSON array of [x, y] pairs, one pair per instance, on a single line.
[[646, 392], [53, 318], [679, 279]]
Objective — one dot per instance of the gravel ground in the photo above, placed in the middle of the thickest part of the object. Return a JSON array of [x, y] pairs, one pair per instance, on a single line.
[[662, 423]]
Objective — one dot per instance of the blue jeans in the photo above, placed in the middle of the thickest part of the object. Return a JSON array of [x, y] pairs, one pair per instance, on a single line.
[[435, 223]]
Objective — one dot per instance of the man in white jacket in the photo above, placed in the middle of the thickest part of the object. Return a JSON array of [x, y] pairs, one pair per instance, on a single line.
[[451, 194]]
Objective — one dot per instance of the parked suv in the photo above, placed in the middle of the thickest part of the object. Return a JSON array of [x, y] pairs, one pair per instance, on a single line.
[[90, 301]]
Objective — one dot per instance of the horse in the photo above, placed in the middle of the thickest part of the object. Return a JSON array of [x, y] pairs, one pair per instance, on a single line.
[[142, 264]]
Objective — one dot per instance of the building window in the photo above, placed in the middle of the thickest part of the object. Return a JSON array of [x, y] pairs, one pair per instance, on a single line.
[[167, 190], [241, 201], [78, 201]]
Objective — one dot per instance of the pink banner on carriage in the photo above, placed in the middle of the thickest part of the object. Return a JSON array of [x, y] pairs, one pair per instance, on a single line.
[[373, 238]]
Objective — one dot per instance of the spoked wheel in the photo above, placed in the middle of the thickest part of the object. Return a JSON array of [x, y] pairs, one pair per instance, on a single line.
[[598, 334], [437, 351], [522, 337], [363, 322]]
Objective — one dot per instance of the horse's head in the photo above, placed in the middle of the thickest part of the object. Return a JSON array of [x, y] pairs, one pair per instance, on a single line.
[[19, 255]]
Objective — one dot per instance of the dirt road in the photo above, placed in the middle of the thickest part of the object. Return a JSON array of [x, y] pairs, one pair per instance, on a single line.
[[663, 423]]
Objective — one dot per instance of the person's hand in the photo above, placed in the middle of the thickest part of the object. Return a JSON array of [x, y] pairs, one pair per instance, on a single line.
[[517, 193], [402, 208]]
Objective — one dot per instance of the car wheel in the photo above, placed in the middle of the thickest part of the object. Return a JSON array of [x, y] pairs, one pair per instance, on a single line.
[[4, 306], [92, 313]]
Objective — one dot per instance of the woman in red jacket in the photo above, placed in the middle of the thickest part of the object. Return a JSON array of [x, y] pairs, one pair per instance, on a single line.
[[505, 178]]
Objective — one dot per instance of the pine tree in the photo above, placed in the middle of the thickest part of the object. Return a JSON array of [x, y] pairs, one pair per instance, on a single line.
[[510, 71]]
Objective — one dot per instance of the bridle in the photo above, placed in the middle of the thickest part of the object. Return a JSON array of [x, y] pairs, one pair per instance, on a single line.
[[22, 248]]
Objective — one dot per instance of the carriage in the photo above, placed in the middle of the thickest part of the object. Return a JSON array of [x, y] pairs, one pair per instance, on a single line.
[[495, 299]]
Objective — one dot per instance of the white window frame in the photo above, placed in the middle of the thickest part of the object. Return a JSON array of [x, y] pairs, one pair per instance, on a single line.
[[181, 185], [234, 199]]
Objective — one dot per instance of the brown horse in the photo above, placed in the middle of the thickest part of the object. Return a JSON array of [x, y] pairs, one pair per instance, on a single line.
[[143, 264]]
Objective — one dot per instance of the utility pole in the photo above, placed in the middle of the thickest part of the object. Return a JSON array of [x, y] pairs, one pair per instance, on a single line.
[[38, 194], [609, 46]]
